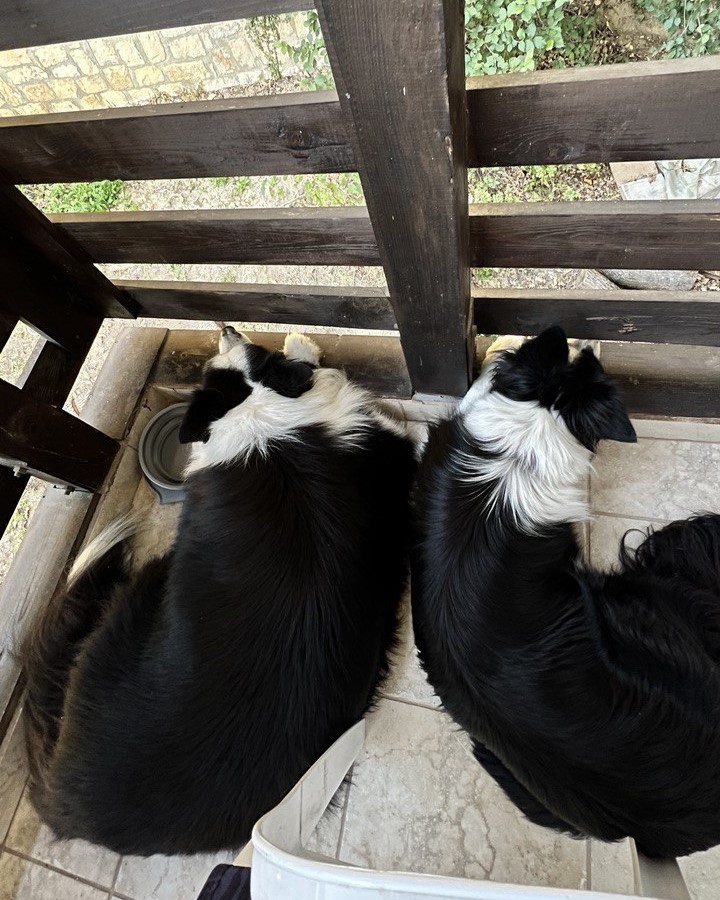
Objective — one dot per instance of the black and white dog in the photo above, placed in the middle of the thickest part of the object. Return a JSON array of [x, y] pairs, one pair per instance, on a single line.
[[592, 698], [169, 708]]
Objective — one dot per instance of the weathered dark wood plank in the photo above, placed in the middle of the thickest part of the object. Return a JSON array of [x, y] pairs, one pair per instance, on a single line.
[[662, 317], [636, 111], [643, 235], [669, 234], [39, 295], [287, 134], [374, 361], [50, 442], [594, 114], [36, 22], [657, 380], [48, 377], [278, 236], [407, 106], [25, 226], [339, 307]]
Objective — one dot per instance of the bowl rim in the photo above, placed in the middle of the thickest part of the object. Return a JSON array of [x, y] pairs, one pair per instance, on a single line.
[[152, 476]]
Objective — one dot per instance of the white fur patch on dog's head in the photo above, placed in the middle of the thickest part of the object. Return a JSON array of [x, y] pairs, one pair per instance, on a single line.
[[538, 409], [253, 397]]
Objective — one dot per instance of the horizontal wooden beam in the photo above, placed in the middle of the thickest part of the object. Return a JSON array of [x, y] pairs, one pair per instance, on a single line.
[[662, 317], [51, 443], [658, 381], [338, 307], [635, 111], [317, 237], [639, 235], [671, 234], [287, 134], [594, 114], [29, 235], [40, 296], [32, 23]]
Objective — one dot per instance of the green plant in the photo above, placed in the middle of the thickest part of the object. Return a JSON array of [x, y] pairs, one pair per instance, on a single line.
[[692, 26], [343, 189], [311, 55], [483, 275], [242, 184], [264, 32], [220, 181], [90, 196], [506, 36], [531, 183]]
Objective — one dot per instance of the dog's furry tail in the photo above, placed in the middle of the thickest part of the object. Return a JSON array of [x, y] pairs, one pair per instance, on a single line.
[[115, 533], [55, 641], [688, 550]]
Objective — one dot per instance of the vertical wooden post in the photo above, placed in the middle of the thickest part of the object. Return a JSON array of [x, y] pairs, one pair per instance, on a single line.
[[399, 67]]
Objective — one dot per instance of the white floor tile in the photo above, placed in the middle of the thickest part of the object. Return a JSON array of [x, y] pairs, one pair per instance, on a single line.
[[13, 772], [656, 479], [606, 532], [420, 802], [22, 880], [407, 679], [29, 836]]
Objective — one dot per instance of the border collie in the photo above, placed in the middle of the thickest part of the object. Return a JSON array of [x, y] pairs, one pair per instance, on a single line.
[[169, 708], [592, 698]]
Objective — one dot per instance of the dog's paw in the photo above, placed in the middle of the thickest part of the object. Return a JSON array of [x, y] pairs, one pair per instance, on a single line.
[[302, 348]]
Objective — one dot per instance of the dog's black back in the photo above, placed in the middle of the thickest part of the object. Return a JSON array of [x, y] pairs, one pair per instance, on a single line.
[[593, 699], [218, 675]]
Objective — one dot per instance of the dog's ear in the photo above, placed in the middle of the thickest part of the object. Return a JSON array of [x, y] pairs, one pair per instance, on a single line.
[[590, 404], [223, 390], [205, 408], [529, 373], [287, 377], [545, 352]]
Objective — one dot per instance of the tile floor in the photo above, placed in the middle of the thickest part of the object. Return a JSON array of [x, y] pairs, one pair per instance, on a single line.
[[417, 800]]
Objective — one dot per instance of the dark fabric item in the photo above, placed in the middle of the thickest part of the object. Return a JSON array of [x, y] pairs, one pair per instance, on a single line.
[[227, 883]]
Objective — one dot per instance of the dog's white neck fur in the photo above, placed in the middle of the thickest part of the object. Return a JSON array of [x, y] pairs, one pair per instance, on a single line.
[[541, 468], [334, 402]]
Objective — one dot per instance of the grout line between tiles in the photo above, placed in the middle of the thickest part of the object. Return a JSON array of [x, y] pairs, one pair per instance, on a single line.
[[341, 832], [680, 439], [45, 865], [15, 812], [115, 876], [588, 863], [423, 704], [616, 515]]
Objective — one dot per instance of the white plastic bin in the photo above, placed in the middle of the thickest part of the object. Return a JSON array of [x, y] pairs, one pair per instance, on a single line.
[[283, 870]]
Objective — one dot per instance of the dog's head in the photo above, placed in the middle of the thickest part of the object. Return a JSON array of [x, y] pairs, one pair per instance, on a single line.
[[240, 366], [574, 386]]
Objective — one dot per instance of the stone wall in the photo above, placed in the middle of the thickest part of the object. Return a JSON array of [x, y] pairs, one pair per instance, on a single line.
[[129, 70]]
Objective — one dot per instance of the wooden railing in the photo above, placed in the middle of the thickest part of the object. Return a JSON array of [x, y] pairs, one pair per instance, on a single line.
[[406, 120]]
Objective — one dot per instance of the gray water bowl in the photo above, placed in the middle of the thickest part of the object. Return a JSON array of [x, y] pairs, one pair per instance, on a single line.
[[162, 457]]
